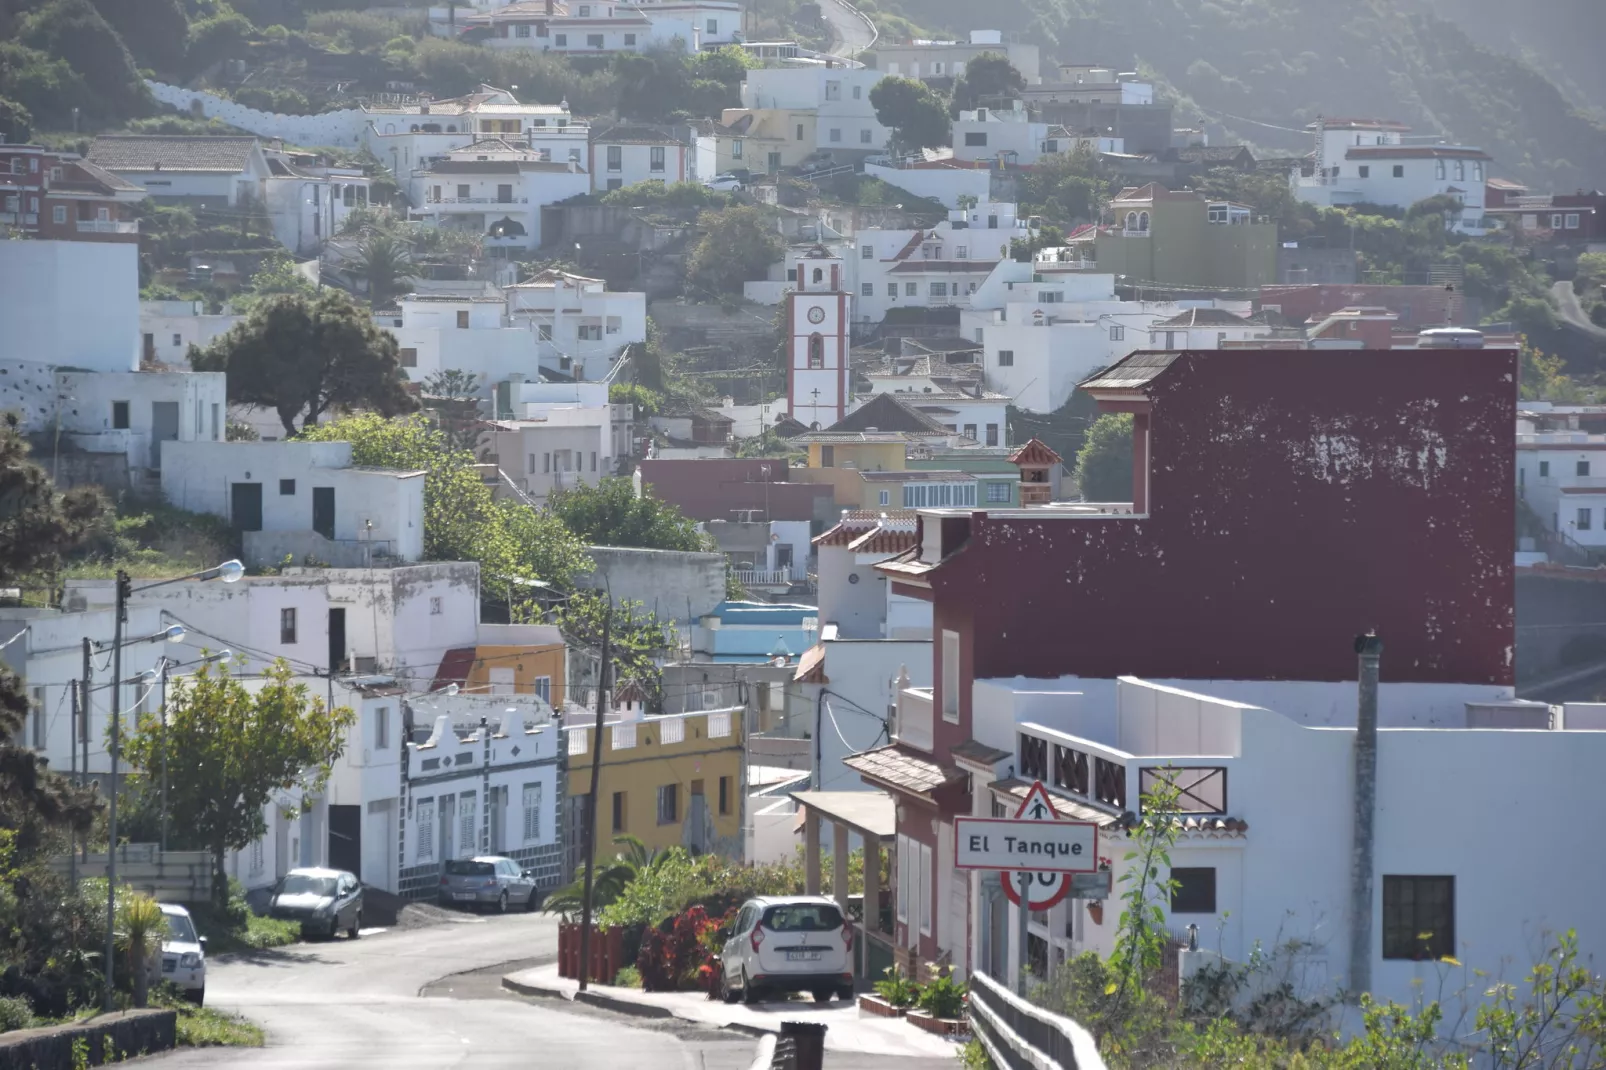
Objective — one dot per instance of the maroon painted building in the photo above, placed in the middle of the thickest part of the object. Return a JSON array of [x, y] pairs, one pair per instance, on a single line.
[[718, 488], [1284, 501]]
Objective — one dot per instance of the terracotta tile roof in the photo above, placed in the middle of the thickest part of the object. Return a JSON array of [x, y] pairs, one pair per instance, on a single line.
[[1035, 452], [149, 152], [112, 182], [1202, 317], [903, 768], [884, 412], [885, 540], [973, 750]]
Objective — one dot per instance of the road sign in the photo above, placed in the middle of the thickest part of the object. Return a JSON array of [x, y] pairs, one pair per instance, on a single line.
[[1036, 852]]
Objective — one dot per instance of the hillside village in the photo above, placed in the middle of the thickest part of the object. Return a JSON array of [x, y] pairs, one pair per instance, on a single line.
[[766, 443]]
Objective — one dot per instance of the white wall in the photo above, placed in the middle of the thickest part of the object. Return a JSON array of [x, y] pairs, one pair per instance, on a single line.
[[944, 184], [88, 400], [636, 165], [174, 326], [71, 303], [329, 128], [853, 712]]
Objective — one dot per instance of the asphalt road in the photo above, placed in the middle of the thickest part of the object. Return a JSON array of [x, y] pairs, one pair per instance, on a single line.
[[1572, 313], [851, 33], [356, 1004]]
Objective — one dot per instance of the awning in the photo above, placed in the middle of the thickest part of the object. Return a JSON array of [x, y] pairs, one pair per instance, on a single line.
[[869, 813]]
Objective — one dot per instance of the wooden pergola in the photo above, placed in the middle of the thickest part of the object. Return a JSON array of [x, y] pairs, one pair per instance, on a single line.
[[870, 815]]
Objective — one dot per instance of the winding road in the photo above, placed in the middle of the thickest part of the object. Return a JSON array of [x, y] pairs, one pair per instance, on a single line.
[[851, 32], [1571, 312]]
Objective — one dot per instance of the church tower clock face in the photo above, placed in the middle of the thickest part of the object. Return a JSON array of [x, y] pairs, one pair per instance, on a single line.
[[816, 314]]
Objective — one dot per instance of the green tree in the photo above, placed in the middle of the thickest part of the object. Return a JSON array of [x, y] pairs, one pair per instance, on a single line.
[[610, 514], [153, 30], [637, 641], [73, 31], [647, 402], [452, 384], [737, 244], [1064, 187], [225, 35], [46, 86], [989, 81], [230, 752], [303, 358], [276, 276], [16, 124], [1104, 463], [382, 261], [912, 111]]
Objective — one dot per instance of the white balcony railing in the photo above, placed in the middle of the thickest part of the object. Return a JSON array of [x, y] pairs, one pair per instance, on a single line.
[[719, 725], [624, 736], [108, 226], [672, 730], [748, 577], [915, 717], [481, 200]]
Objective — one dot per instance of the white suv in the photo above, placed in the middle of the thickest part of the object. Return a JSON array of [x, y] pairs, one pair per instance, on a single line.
[[183, 958], [795, 943]]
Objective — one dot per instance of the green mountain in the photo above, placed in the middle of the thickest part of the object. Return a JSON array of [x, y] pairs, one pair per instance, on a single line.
[[1561, 38], [1262, 69]]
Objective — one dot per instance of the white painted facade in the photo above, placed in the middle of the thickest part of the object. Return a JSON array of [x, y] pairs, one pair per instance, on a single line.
[[939, 268], [71, 303], [301, 494], [1010, 134], [168, 329], [495, 191], [855, 704], [846, 120], [439, 333], [581, 327], [947, 59], [944, 184], [1561, 475], [624, 159], [817, 349], [309, 202], [554, 447], [1369, 162]]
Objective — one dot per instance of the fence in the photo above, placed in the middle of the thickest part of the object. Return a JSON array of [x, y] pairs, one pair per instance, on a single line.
[[607, 952], [170, 876], [1020, 1036]]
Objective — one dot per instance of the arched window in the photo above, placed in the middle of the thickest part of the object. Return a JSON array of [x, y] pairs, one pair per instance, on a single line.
[[1131, 221], [818, 275], [1143, 221], [451, 128], [816, 351], [415, 128]]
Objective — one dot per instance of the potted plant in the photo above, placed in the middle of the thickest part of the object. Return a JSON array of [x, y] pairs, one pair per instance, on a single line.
[[941, 1005], [894, 994]]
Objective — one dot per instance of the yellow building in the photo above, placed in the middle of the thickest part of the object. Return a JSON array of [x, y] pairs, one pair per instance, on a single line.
[[518, 659], [670, 781], [771, 138]]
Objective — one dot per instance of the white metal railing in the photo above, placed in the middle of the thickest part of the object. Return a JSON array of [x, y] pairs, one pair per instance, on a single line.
[[19, 218], [672, 730], [480, 200], [719, 725], [915, 717], [577, 740], [108, 226], [624, 736], [762, 577]]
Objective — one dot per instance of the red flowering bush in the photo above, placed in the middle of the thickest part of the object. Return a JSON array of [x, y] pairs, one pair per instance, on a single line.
[[681, 952]]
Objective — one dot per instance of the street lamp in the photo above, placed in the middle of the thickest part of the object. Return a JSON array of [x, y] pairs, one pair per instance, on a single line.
[[228, 572]]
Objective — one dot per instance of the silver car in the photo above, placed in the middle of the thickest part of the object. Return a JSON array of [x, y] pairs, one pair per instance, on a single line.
[[324, 901], [488, 881]]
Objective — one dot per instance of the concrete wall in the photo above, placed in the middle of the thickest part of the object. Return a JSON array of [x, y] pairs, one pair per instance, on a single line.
[[330, 128], [672, 585], [126, 1033], [72, 304], [945, 184], [1560, 615], [853, 710]]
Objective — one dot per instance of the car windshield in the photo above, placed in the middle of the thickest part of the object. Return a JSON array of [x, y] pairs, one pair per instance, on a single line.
[[179, 929], [302, 884], [470, 869], [803, 918]]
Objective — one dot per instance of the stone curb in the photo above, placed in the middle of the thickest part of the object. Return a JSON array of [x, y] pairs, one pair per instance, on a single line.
[[626, 1006]]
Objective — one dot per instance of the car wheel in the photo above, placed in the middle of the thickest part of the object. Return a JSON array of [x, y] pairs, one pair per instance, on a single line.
[[501, 903], [356, 926], [196, 996], [726, 992], [823, 995], [533, 902], [845, 994], [334, 926], [749, 993]]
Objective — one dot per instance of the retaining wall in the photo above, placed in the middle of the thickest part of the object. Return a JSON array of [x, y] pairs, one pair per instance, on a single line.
[[130, 1033]]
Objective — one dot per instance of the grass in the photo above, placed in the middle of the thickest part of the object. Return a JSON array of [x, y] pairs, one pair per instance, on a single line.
[[203, 1027], [224, 934]]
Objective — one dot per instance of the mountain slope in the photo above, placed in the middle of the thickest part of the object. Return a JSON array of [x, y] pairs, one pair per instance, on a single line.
[[1562, 38]]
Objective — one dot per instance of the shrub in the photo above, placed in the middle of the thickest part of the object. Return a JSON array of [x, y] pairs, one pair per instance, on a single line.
[[897, 989], [15, 1013], [628, 977], [677, 954], [943, 997]]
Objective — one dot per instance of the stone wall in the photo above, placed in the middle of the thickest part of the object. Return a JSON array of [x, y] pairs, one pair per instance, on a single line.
[[330, 128], [129, 1033]]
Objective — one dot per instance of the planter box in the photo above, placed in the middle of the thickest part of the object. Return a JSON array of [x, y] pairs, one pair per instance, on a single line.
[[942, 1027], [880, 1008]]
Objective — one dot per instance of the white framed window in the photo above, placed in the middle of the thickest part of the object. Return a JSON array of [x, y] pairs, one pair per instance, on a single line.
[[736, 149], [1555, 221], [866, 252], [836, 133], [833, 90], [424, 834], [382, 728], [1117, 333], [950, 677], [864, 134], [866, 289], [910, 289], [904, 875], [1572, 221], [543, 688], [939, 289], [886, 497], [997, 492], [1006, 358], [655, 158], [668, 804], [532, 813], [925, 885], [59, 214], [521, 30]]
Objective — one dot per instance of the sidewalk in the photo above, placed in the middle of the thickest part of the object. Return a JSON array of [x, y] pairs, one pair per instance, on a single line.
[[848, 1032]]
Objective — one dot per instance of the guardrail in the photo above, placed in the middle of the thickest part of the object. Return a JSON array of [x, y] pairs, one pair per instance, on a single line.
[[1021, 1036]]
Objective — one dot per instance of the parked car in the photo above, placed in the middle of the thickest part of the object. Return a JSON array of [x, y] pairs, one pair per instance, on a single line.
[[488, 881], [182, 962], [324, 901], [726, 182], [782, 944]]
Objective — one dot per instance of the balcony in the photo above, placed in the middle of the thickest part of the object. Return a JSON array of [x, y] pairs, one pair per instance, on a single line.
[[1116, 780], [915, 718], [19, 219], [765, 577], [480, 200], [108, 226]]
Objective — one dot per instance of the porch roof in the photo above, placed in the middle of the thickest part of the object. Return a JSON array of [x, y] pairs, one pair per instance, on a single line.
[[902, 769], [869, 813]]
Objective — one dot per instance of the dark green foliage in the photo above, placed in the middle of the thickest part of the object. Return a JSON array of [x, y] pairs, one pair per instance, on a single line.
[[912, 111], [16, 124], [75, 32], [1065, 188], [672, 195], [221, 37], [610, 514], [47, 87], [989, 81], [303, 358], [1104, 464], [737, 244], [153, 30]]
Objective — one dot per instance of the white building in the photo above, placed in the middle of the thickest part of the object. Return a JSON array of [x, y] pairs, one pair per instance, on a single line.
[[300, 500], [947, 59], [42, 304], [817, 382], [495, 190], [1204, 328], [581, 327], [410, 135], [945, 181], [310, 200], [1368, 161], [437, 333], [168, 328], [1269, 861], [627, 153], [1010, 135], [845, 124], [562, 435], [937, 268], [1561, 476], [223, 171]]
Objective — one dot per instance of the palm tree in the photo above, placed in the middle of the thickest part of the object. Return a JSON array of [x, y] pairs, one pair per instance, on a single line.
[[382, 261], [635, 861], [142, 925]]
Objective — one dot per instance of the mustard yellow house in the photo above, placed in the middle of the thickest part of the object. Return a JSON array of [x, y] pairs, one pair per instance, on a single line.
[[670, 781]]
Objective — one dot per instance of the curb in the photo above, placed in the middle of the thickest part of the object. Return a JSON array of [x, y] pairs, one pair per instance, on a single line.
[[764, 1057], [630, 1007]]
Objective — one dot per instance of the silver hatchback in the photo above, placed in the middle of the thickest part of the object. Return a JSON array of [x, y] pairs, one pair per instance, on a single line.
[[488, 881]]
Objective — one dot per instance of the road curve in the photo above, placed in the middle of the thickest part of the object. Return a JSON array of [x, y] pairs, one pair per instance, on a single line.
[[1571, 312], [356, 1004], [851, 32]]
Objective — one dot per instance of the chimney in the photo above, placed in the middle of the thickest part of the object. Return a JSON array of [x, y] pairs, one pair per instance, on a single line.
[[1369, 650]]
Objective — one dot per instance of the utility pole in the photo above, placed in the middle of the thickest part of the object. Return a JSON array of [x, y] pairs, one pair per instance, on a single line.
[[83, 722], [591, 804], [114, 747], [72, 749], [166, 664], [1369, 649]]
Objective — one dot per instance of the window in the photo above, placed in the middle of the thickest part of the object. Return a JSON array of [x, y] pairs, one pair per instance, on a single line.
[[287, 486], [1049, 297], [1117, 333], [616, 157], [866, 289], [833, 90], [532, 813], [215, 427], [590, 332], [799, 131], [543, 688], [630, 40], [950, 677], [668, 804], [424, 818], [408, 356], [1477, 170], [1399, 170], [1461, 170], [1143, 221], [1438, 170], [910, 289], [521, 30], [939, 289], [560, 40], [1006, 358], [836, 133], [120, 416], [546, 462], [892, 290], [1544, 469], [924, 868], [462, 318], [886, 497], [1582, 468], [902, 876], [1195, 890], [593, 460], [504, 194], [970, 430], [724, 794], [962, 253], [614, 323], [992, 434], [816, 351], [59, 213], [585, 11], [976, 139], [543, 332], [36, 718], [382, 728], [1572, 220], [998, 492], [713, 26], [467, 825], [864, 136], [463, 191], [435, 606], [618, 811], [655, 158], [736, 149], [287, 625], [1418, 917], [1365, 171], [1555, 221], [1584, 522]]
